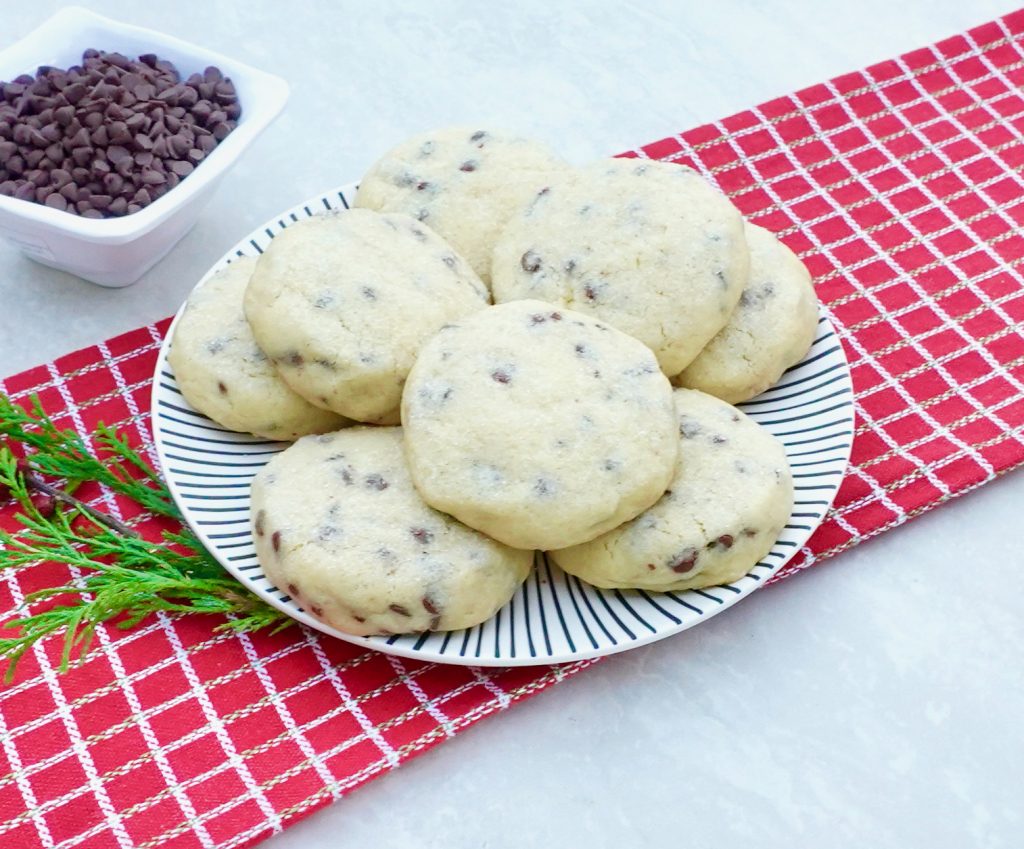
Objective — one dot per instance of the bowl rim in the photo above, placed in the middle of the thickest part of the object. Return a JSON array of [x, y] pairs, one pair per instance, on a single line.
[[271, 94]]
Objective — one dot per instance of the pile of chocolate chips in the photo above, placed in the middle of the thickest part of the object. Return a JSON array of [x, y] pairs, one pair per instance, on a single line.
[[108, 137]]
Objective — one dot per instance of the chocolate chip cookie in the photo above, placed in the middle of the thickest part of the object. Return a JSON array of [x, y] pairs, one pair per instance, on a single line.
[[341, 302], [537, 425], [222, 372], [339, 526], [648, 247], [731, 495], [463, 182], [771, 329]]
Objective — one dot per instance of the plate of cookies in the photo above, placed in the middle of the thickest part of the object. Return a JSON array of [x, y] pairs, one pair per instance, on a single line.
[[486, 408]]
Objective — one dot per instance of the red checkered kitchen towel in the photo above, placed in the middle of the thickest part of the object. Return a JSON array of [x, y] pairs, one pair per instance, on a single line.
[[898, 185]]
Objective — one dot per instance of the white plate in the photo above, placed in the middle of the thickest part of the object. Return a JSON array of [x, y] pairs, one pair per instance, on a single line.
[[553, 618]]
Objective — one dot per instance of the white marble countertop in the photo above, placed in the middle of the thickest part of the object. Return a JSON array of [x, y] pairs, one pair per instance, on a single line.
[[872, 701]]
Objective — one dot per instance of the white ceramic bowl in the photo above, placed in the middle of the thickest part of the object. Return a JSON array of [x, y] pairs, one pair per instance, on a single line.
[[117, 251]]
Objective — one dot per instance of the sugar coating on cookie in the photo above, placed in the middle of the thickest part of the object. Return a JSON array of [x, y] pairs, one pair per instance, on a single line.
[[771, 329], [222, 372], [539, 426], [463, 182], [341, 302], [730, 498], [648, 247], [338, 525]]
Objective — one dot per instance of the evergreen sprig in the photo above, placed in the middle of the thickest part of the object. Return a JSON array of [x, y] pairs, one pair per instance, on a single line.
[[122, 577]]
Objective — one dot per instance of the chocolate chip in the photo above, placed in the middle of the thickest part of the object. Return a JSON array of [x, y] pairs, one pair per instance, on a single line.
[[684, 561], [641, 369], [689, 428], [260, 519], [116, 153], [293, 590], [74, 93], [275, 540], [376, 482], [202, 111], [543, 487], [501, 376], [469, 166], [422, 536], [750, 532], [725, 541], [530, 262], [401, 610], [220, 385]]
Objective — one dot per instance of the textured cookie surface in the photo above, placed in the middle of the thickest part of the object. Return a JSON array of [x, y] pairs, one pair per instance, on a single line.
[[463, 182], [539, 426], [222, 372], [648, 247], [731, 496], [341, 303], [338, 524], [770, 330]]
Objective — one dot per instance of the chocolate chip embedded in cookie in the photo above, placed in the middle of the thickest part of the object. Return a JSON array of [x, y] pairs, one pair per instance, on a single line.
[[338, 524], [537, 425], [731, 495]]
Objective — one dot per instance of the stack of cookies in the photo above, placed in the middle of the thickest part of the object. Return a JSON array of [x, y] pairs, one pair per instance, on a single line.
[[493, 354]]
